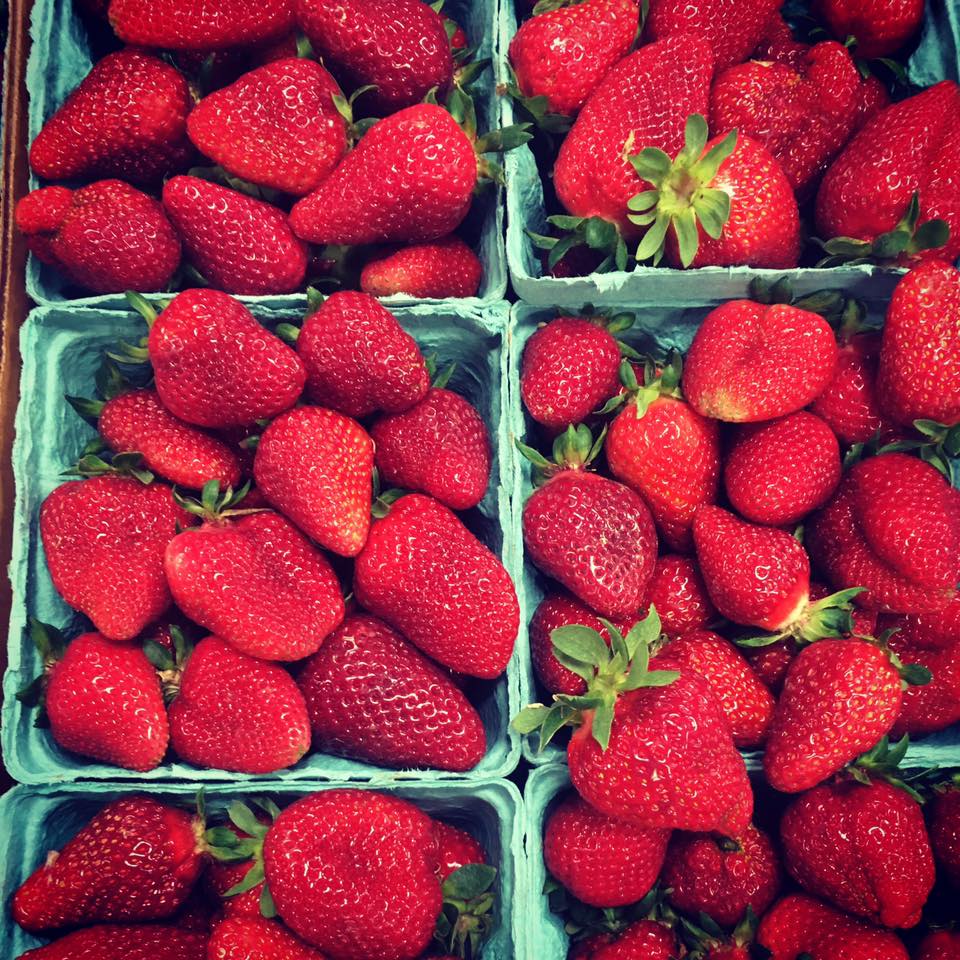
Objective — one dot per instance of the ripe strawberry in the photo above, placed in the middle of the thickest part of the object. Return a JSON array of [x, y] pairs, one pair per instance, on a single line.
[[427, 576], [199, 24], [779, 471], [839, 699], [256, 938], [722, 876], [255, 581], [372, 696], [642, 940], [679, 594], [238, 244], [107, 942], [939, 945], [777, 44], [440, 447], [863, 847], [371, 890], [750, 361], [215, 366], [359, 359], [944, 825], [221, 876], [427, 271], [137, 859], [400, 47], [564, 52], [126, 119], [872, 98], [880, 27], [920, 355], [104, 540], [277, 126], [106, 237], [602, 861], [455, 849]]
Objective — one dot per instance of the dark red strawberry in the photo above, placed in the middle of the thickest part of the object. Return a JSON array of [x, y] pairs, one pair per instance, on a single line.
[[256, 938], [778, 44], [426, 271], [107, 942], [879, 27], [873, 97], [455, 849], [679, 594], [372, 696], [939, 945], [642, 940], [126, 119], [944, 820]]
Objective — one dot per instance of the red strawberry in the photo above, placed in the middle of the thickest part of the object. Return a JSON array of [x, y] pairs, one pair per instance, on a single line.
[[257, 582], [425, 271], [199, 24], [601, 861], [277, 126], [944, 819], [236, 243], [440, 447], [873, 97], [863, 847], [425, 574], [359, 359], [879, 27], [839, 699], [107, 942], [135, 860], [104, 540], [939, 945], [564, 52], [920, 356], [126, 119], [221, 876], [679, 594], [372, 696], [256, 938], [777, 472], [106, 237], [722, 876], [455, 849], [777, 44], [750, 361], [215, 366], [400, 47], [642, 940]]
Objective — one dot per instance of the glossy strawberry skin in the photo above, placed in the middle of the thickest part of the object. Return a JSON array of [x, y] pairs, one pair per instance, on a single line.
[[372, 198], [643, 940], [372, 696], [256, 938], [563, 54], [215, 366], [455, 849], [840, 697], [939, 945], [104, 540], [106, 942], [426, 271], [136, 860], [944, 824], [602, 861], [880, 27], [679, 594], [750, 362], [126, 119], [705, 876]]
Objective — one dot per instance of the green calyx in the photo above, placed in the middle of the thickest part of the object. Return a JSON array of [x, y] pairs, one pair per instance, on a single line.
[[383, 500], [938, 445], [844, 313], [574, 449], [911, 674], [830, 617], [706, 935], [224, 178], [127, 464], [536, 108], [593, 232], [466, 918], [51, 646], [662, 381], [681, 196], [215, 505], [439, 378], [580, 920], [883, 763], [169, 664], [609, 671], [344, 106]]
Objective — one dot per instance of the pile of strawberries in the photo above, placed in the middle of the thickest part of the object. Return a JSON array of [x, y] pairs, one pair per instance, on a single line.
[[231, 498], [148, 880], [709, 135]]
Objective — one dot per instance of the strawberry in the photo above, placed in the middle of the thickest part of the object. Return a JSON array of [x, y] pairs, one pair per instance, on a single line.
[[234, 712], [440, 446], [256, 938], [126, 119], [722, 877], [215, 366], [400, 47], [939, 945], [839, 699], [944, 820], [255, 581], [642, 940], [659, 446], [107, 942], [602, 861], [104, 540], [227, 871], [426, 575], [920, 354], [872, 98], [750, 361], [372, 696], [199, 24], [863, 847], [802, 114], [359, 359], [779, 471], [277, 126], [106, 237], [678, 592], [879, 27], [561, 54], [426, 271], [777, 44], [238, 244], [455, 849], [137, 859]]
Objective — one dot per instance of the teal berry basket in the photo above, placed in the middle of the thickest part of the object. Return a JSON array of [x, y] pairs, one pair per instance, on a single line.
[[65, 45], [657, 329], [62, 349], [41, 819], [936, 57]]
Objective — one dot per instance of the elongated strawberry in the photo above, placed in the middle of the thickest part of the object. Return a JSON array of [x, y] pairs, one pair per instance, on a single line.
[[372, 696], [135, 860], [879, 27], [455, 849], [677, 590], [256, 938], [126, 119], [428, 271], [426, 575], [108, 941]]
